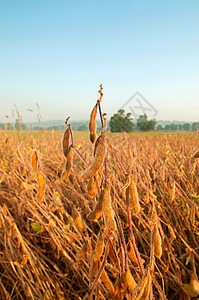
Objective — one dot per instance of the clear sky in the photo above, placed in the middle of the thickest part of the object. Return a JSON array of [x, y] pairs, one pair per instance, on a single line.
[[57, 53]]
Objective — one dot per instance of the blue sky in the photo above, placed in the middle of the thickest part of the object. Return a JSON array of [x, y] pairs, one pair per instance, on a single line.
[[57, 53]]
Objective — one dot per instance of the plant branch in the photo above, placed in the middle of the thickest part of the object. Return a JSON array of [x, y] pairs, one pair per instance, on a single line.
[[122, 234], [99, 106], [111, 244], [117, 158]]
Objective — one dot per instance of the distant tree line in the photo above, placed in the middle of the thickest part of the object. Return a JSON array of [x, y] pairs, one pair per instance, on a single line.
[[185, 126], [119, 122], [123, 122], [21, 126]]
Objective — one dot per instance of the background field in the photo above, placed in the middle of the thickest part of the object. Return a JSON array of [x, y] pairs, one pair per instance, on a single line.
[[40, 242]]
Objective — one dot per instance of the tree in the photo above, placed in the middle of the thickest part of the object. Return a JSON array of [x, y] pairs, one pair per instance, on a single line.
[[120, 122], [180, 127], [159, 127], [173, 126], [195, 126], [152, 124], [186, 126], [82, 128], [144, 125], [167, 127]]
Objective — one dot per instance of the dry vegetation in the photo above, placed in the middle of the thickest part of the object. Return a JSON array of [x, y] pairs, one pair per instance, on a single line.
[[129, 232]]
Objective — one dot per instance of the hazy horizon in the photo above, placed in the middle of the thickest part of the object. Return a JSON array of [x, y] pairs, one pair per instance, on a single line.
[[58, 121], [57, 54]]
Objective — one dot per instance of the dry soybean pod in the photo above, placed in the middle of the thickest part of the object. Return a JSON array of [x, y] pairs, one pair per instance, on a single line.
[[34, 163], [108, 210], [124, 283], [112, 253], [91, 190], [42, 186], [81, 253], [107, 282], [96, 213], [148, 175], [68, 164], [172, 233], [66, 140], [147, 289], [173, 193], [99, 247], [140, 288], [99, 154], [157, 241], [94, 268], [92, 124], [127, 281], [131, 253], [134, 197], [109, 224], [78, 219], [97, 180], [131, 284]]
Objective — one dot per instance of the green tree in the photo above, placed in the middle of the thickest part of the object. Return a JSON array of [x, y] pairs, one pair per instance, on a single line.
[[159, 127], [173, 126], [144, 125], [151, 124], [186, 126], [120, 122], [195, 126], [82, 128], [180, 127], [167, 127]]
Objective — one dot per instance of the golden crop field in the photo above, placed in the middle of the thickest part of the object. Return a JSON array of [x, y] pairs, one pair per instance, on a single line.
[[122, 223]]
